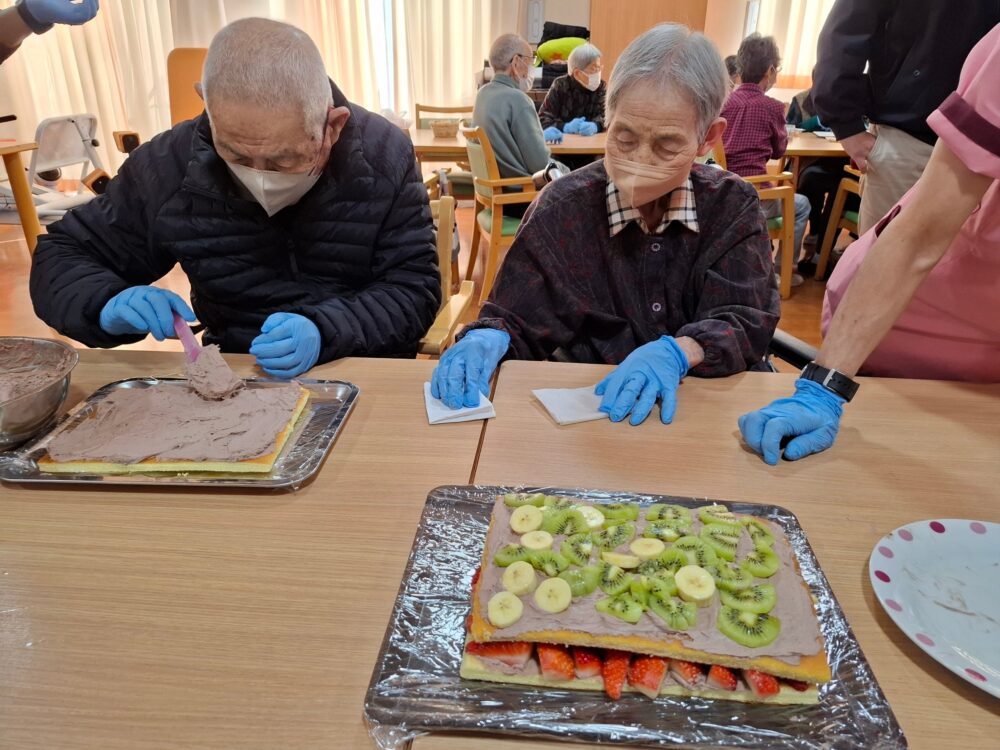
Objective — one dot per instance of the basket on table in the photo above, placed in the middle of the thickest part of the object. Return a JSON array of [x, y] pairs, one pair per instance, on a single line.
[[444, 128]]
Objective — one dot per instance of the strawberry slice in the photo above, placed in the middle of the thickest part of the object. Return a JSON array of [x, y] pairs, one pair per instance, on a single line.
[[687, 673], [721, 678], [762, 685], [614, 671], [797, 684], [587, 662], [512, 653], [646, 674], [556, 662], [475, 576]]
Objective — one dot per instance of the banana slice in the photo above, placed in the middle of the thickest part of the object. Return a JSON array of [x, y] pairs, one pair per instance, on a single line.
[[621, 560], [647, 549], [553, 595], [504, 609], [695, 585], [519, 578], [593, 517], [537, 540], [526, 518]]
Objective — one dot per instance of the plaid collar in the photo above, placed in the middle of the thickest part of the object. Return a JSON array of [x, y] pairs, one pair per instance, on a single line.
[[679, 208]]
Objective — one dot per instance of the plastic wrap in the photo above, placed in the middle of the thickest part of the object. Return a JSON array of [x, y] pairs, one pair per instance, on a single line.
[[416, 688], [330, 402]]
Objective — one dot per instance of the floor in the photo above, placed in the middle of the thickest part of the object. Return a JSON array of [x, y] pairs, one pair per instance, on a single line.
[[800, 314]]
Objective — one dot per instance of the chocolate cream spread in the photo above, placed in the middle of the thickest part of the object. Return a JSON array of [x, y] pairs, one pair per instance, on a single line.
[[210, 376], [22, 373]]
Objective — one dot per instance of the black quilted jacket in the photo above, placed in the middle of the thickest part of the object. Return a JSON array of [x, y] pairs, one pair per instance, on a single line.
[[355, 255]]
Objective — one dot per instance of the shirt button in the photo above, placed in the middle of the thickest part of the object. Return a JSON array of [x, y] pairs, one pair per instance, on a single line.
[[916, 74], [656, 247], [657, 307]]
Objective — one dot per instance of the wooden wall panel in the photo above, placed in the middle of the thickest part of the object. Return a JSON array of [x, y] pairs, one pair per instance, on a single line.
[[615, 23]]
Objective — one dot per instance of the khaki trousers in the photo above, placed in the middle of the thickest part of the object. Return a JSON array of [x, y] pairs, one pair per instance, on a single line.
[[895, 163]]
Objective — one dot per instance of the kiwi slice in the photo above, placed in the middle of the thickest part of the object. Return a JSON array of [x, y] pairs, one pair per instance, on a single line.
[[651, 568], [677, 515], [554, 501], [614, 580], [662, 585], [698, 553], [577, 549], [731, 578], [517, 499], [613, 536], [723, 544], [622, 606], [638, 591], [748, 628], [758, 532], [582, 581], [677, 614], [511, 554], [672, 559], [665, 531], [616, 513], [762, 563], [717, 514], [549, 562], [563, 521], [758, 599]]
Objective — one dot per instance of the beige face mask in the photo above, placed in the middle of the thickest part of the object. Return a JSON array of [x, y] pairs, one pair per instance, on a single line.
[[641, 183]]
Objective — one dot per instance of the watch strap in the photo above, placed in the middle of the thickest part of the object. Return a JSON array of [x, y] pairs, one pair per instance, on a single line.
[[834, 381]]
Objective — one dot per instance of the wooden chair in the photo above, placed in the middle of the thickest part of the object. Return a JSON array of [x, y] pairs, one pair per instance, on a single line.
[[491, 224], [460, 180], [453, 306], [781, 228], [23, 198], [184, 66], [839, 218]]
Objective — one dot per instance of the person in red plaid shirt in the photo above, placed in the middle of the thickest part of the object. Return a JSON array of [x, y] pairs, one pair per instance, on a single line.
[[755, 126]]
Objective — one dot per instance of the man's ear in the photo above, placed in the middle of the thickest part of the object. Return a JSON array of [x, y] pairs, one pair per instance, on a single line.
[[336, 120], [198, 91], [713, 136]]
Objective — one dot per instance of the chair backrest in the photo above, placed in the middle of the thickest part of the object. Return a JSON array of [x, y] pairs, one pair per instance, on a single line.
[[450, 113], [482, 160], [63, 142], [184, 66], [443, 211]]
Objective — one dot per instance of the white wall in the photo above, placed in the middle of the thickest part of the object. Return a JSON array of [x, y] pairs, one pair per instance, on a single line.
[[573, 12]]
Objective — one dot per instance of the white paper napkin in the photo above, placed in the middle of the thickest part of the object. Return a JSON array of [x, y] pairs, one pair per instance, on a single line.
[[439, 413], [571, 405]]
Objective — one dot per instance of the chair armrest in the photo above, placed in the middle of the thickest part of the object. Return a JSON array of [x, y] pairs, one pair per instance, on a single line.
[[509, 198], [850, 186], [777, 177], [778, 191], [851, 170], [794, 351], [507, 182], [449, 317]]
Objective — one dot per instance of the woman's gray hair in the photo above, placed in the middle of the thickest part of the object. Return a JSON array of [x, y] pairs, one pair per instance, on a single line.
[[583, 56], [672, 57], [503, 50], [268, 64]]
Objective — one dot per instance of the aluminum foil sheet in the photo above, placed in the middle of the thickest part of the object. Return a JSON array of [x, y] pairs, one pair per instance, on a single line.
[[330, 403], [416, 688]]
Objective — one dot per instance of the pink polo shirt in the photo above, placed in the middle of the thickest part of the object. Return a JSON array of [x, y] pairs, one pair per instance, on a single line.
[[951, 328]]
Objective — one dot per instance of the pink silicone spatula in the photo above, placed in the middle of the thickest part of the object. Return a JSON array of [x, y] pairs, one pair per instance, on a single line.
[[191, 346]]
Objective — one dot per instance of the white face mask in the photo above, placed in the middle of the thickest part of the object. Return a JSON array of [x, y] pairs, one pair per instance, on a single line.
[[593, 81], [273, 190], [526, 83]]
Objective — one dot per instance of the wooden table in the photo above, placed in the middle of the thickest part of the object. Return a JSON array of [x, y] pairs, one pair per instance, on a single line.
[[141, 620], [23, 199], [426, 145], [907, 450], [806, 147]]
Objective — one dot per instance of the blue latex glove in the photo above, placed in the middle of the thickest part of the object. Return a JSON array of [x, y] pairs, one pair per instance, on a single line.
[[288, 345], [811, 416], [588, 128], [552, 135], [465, 369], [573, 126], [62, 11], [650, 371], [143, 309]]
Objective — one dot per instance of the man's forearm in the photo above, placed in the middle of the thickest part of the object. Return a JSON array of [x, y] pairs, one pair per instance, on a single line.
[[13, 29]]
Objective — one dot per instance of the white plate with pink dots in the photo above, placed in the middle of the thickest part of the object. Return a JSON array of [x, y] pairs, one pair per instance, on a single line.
[[938, 580]]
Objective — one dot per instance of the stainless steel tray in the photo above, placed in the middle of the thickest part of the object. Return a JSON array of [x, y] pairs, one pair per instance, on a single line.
[[312, 439], [416, 688]]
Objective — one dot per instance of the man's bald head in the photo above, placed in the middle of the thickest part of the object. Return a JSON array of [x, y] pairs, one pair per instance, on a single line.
[[268, 65]]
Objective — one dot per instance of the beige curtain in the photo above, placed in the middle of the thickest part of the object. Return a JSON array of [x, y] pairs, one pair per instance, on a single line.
[[446, 41], [795, 24]]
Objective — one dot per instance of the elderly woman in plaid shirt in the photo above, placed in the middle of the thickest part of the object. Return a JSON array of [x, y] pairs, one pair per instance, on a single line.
[[645, 260]]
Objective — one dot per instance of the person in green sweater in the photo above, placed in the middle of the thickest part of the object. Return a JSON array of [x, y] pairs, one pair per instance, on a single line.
[[507, 114]]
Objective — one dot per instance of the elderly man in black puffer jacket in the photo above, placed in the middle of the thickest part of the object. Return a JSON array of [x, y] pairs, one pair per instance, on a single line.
[[299, 218]]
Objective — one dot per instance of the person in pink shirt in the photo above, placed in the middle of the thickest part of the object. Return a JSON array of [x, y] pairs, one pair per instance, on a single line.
[[918, 296]]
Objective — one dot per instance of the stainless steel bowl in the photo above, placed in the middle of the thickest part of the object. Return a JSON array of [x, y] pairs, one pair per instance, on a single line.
[[27, 414]]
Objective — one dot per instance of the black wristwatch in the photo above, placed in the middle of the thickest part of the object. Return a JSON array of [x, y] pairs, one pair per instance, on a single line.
[[29, 20], [833, 381]]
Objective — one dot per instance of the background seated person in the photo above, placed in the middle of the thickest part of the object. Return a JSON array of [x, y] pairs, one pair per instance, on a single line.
[[575, 102], [755, 126], [299, 218], [508, 116], [645, 260]]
